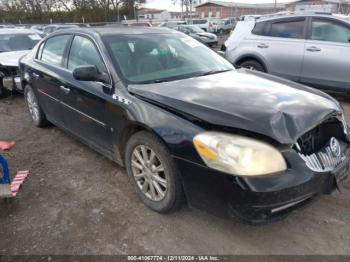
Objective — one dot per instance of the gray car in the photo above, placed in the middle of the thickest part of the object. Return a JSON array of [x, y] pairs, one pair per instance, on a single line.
[[312, 49], [206, 38], [225, 25]]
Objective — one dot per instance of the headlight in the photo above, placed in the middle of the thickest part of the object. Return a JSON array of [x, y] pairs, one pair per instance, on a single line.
[[238, 155], [345, 125]]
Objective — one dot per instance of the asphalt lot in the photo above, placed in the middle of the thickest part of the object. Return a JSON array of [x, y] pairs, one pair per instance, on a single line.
[[77, 202]]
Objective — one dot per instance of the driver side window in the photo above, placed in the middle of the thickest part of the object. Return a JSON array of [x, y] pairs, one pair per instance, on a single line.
[[84, 52]]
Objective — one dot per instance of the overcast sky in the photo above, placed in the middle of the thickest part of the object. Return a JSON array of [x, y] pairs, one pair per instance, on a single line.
[[167, 4]]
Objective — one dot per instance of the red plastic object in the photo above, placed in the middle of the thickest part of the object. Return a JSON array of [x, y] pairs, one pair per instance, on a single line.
[[6, 145], [18, 181]]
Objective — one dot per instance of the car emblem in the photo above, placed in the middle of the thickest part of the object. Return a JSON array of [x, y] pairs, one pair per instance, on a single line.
[[335, 147], [121, 99]]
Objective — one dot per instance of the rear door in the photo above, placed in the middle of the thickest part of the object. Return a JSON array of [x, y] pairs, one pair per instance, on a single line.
[[327, 54], [84, 102], [47, 75], [282, 46]]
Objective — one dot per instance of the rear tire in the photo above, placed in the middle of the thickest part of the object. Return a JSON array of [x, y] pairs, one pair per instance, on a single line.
[[35, 111], [253, 65], [145, 155]]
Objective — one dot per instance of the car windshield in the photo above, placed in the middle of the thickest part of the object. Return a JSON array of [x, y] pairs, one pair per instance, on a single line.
[[17, 42], [195, 29], [153, 58]]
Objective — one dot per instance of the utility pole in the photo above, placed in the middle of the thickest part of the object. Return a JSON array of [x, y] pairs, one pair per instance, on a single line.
[[275, 6], [136, 7], [187, 7], [135, 16], [191, 5], [182, 9], [118, 17]]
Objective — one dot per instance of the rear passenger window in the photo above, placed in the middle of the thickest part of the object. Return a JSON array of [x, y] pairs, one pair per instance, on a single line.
[[54, 49], [259, 28], [288, 29]]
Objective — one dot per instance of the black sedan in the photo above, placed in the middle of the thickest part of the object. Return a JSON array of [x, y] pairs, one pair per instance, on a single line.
[[186, 124]]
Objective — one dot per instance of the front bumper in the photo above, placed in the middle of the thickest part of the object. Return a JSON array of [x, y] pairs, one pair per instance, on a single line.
[[256, 199], [12, 83]]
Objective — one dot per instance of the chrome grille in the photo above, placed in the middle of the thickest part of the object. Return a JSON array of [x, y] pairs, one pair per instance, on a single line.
[[322, 161]]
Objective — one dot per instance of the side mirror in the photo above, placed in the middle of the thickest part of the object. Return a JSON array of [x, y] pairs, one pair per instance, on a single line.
[[90, 73]]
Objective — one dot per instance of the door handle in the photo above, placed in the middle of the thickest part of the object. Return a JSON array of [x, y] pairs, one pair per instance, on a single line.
[[263, 46], [65, 90], [36, 76], [313, 49]]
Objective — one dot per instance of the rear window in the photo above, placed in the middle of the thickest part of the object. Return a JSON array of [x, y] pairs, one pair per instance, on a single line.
[[198, 22], [18, 42], [288, 29], [259, 28]]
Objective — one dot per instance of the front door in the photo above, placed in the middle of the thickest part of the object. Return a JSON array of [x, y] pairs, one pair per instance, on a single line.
[[84, 103], [326, 61]]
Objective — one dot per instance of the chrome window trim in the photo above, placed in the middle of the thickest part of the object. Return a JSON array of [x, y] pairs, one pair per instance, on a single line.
[[110, 85]]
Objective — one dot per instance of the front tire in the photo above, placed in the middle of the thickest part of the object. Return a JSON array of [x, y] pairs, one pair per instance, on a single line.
[[153, 172], [36, 113], [253, 65]]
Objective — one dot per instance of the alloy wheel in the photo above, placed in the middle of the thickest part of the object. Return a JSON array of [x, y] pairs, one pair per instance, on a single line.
[[149, 174], [32, 105]]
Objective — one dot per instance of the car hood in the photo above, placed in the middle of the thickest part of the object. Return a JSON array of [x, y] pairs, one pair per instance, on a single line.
[[12, 58], [247, 100], [209, 35]]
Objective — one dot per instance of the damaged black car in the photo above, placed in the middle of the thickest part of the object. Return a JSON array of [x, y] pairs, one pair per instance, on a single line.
[[188, 126], [14, 43]]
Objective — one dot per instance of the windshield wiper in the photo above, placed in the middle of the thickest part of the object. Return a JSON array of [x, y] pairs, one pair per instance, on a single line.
[[212, 72], [157, 81], [180, 77], [166, 79]]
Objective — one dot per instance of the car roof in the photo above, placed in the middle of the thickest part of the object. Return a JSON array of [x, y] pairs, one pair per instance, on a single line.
[[119, 30], [62, 25], [5, 31], [274, 17]]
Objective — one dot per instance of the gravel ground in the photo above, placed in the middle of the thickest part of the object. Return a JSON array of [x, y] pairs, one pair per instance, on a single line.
[[77, 202]]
